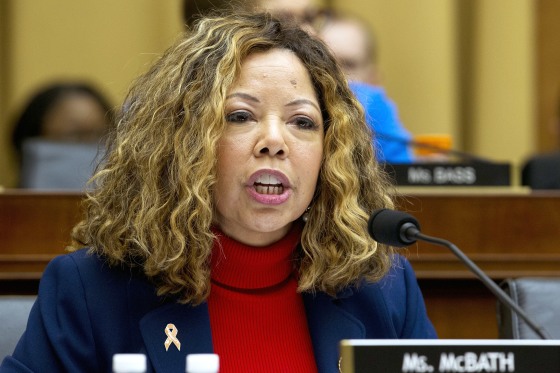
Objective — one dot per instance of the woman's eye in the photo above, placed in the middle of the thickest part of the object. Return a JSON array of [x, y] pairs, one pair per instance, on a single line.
[[304, 123], [238, 116]]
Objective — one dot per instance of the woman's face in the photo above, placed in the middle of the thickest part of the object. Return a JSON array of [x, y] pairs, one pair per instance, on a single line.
[[270, 154]]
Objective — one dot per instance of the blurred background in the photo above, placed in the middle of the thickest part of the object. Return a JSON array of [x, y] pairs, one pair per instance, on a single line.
[[484, 72]]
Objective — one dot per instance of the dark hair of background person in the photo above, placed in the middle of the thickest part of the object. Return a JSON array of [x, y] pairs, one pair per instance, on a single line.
[[194, 9], [30, 122]]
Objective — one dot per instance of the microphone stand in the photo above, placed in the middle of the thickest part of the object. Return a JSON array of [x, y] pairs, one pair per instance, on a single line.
[[410, 231]]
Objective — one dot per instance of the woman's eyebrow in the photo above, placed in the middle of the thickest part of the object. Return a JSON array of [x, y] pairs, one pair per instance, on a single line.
[[243, 95], [302, 101]]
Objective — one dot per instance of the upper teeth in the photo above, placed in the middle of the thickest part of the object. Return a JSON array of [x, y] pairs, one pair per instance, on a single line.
[[268, 179]]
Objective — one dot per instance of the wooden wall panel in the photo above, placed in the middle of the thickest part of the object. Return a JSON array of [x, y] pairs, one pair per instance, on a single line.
[[548, 74]]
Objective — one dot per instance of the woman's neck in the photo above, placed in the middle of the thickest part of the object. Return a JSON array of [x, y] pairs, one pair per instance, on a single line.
[[237, 265]]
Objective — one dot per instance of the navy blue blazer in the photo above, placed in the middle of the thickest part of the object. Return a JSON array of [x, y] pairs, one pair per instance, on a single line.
[[86, 312]]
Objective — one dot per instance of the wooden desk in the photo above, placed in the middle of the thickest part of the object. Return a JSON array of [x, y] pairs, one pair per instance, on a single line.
[[506, 234], [34, 228]]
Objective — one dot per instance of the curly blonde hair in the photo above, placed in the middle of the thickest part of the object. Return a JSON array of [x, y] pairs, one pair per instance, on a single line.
[[153, 206]]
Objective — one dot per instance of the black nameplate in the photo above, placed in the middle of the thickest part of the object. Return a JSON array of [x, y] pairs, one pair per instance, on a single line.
[[449, 356], [450, 174]]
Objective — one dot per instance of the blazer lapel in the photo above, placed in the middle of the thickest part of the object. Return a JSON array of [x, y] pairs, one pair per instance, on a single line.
[[328, 325], [193, 332]]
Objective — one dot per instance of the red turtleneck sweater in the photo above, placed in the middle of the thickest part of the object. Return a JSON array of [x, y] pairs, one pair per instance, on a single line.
[[257, 318]]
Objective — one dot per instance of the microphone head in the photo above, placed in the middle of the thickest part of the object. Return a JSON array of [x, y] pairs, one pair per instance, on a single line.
[[389, 227]]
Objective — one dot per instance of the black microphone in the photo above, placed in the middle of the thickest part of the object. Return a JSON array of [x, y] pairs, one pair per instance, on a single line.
[[399, 229]]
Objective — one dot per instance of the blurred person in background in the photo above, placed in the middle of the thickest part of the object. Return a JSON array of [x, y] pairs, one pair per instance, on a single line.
[[354, 45], [352, 42], [57, 135]]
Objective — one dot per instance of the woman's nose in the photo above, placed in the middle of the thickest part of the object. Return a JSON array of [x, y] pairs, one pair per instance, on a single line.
[[272, 139]]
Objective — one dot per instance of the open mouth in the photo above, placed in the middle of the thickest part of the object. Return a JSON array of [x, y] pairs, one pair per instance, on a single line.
[[268, 184], [269, 188]]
